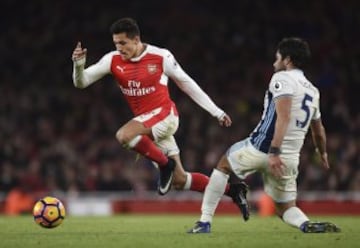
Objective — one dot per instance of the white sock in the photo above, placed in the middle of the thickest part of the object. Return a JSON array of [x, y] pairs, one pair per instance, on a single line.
[[188, 181], [213, 193], [294, 217]]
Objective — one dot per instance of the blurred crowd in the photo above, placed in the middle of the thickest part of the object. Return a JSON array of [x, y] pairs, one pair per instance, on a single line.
[[55, 137]]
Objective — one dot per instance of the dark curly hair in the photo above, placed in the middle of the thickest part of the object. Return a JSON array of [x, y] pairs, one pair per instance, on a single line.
[[296, 49]]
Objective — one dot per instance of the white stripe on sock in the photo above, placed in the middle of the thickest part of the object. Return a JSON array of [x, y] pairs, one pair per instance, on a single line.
[[188, 181]]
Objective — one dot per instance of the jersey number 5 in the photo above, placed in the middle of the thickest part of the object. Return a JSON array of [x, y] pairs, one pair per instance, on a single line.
[[305, 106]]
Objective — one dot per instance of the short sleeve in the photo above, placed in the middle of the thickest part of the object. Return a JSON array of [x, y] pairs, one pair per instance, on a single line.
[[281, 85], [317, 113]]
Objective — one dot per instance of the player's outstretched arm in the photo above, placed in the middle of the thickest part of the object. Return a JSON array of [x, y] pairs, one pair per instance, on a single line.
[[82, 77], [193, 90]]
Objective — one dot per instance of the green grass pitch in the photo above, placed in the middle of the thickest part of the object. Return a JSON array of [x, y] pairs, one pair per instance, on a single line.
[[170, 231]]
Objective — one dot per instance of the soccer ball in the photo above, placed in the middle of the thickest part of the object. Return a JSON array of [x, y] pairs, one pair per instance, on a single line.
[[49, 212]]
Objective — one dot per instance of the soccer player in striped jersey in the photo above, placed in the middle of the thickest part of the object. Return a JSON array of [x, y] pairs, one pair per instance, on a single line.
[[291, 106], [142, 72]]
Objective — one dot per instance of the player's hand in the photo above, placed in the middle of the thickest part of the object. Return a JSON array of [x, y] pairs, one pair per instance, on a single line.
[[225, 120], [79, 52], [324, 160], [276, 166]]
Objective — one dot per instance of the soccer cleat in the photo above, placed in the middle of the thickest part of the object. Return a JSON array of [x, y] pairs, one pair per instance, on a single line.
[[319, 227], [166, 177], [238, 193], [201, 227]]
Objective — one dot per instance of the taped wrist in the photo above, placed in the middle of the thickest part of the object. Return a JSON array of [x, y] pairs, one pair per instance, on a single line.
[[274, 150]]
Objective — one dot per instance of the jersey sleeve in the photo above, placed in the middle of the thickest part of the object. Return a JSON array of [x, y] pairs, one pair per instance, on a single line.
[[281, 85], [317, 113], [173, 70], [82, 77]]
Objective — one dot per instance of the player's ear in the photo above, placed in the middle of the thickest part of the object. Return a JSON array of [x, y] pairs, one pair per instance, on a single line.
[[287, 60], [137, 39]]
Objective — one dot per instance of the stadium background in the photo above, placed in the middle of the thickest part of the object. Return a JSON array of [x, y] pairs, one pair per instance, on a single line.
[[56, 139]]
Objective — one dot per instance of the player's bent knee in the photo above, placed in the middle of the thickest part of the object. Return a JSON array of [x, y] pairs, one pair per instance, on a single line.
[[122, 138], [224, 166]]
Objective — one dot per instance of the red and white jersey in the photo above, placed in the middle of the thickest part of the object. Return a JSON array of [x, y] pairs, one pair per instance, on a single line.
[[144, 80]]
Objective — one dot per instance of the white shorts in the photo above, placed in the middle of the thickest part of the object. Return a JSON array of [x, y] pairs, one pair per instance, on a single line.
[[163, 131], [244, 160]]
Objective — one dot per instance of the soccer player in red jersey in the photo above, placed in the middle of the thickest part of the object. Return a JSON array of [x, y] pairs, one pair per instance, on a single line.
[[142, 72]]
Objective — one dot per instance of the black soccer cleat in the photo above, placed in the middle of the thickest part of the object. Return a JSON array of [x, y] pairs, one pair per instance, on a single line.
[[319, 227], [166, 177], [238, 193]]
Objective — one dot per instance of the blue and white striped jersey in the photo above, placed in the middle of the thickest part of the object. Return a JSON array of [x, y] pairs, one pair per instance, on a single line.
[[305, 107]]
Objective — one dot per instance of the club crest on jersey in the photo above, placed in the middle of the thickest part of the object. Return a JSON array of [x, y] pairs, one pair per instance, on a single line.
[[152, 68], [277, 86]]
